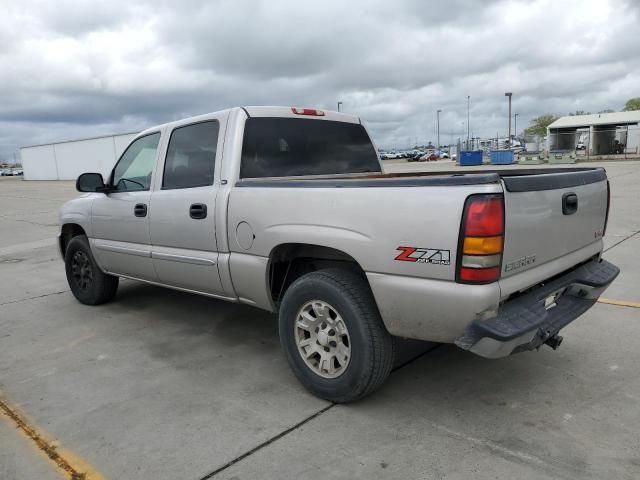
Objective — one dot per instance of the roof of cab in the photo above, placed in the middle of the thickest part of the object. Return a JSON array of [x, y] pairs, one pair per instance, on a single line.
[[287, 112], [260, 111]]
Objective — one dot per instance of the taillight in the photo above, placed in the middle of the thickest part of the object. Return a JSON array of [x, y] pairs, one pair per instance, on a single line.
[[307, 111], [481, 239]]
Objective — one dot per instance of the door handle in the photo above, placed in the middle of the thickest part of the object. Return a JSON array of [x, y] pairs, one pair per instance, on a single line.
[[569, 203], [198, 211], [140, 210]]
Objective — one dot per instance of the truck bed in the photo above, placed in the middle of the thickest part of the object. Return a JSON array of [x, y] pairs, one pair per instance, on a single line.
[[368, 216]]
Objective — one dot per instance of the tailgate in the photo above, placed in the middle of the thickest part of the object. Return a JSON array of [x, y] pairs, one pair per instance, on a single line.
[[550, 215]]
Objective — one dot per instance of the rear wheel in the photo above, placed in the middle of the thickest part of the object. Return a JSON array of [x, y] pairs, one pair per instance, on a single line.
[[88, 283], [333, 336]]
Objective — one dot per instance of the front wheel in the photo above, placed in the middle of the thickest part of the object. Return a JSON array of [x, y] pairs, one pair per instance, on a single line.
[[333, 336], [88, 283]]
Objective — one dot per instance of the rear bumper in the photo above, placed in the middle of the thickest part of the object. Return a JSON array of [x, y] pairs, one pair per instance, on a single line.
[[529, 320]]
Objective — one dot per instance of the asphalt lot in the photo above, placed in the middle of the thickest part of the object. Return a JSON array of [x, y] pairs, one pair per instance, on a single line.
[[164, 385]]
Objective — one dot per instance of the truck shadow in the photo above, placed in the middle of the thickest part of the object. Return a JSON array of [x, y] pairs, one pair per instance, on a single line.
[[231, 323], [191, 331]]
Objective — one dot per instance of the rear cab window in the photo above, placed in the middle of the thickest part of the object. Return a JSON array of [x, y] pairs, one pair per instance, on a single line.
[[283, 147]]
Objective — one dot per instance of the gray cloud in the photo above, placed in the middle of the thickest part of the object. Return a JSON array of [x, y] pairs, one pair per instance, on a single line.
[[72, 68]]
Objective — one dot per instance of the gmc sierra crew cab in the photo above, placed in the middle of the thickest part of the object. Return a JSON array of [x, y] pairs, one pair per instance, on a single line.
[[290, 210]]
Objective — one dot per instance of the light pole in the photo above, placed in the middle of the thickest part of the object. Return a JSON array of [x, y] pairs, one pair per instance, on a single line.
[[508, 94], [438, 122], [339, 103], [468, 129], [515, 125]]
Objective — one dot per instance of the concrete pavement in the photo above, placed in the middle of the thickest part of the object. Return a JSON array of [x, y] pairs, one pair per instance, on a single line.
[[162, 385]]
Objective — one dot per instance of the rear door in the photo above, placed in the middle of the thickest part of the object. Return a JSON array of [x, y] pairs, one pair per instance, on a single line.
[[182, 215], [551, 215]]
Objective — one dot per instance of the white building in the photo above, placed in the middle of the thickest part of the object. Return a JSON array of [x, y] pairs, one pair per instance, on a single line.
[[67, 160], [598, 134]]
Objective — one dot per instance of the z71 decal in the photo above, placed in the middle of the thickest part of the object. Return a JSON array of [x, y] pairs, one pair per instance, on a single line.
[[435, 256]]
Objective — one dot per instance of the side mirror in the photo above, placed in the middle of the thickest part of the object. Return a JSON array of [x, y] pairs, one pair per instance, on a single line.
[[90, 182]]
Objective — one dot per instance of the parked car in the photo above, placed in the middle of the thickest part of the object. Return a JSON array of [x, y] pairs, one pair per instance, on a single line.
[[428, 157], [416, 157], [348, 256]]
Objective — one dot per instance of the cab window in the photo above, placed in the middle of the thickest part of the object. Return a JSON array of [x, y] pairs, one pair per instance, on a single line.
[[133, 170], [281, 147], [191, 156]]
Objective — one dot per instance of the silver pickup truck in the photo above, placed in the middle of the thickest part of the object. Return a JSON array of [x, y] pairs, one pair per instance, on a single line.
[[290, 210]]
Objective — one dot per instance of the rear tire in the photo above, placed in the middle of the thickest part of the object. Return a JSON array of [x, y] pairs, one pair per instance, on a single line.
[[88, 283], [333, 336]]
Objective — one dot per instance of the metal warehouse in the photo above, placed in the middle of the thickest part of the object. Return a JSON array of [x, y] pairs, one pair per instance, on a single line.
[[67, 160], [598, 134]]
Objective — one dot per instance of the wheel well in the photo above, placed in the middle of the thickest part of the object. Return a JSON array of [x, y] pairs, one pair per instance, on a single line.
[[69, 230], [290, 261]]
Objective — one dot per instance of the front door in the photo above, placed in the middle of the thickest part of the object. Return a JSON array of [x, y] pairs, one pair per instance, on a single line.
[[182, 217], [120, 219]]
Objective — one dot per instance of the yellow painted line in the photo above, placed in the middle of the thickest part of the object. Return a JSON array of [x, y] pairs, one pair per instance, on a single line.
[[619, 303], [67, 463]]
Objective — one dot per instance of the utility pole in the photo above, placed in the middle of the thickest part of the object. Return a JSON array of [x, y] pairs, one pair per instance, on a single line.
[[339, 103], [509, 94], [515, 125], [438, 121], [468, 129]]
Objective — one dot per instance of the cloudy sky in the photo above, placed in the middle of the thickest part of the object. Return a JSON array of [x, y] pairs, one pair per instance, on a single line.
[[71, 69]]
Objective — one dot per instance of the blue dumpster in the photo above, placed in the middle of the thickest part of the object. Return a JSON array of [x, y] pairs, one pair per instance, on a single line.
[[471, 157], [501, 157]]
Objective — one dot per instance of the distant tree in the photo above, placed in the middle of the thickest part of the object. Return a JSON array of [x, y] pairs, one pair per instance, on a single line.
[[606, 110], [538, 125], [632, 104], [579, 112]]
